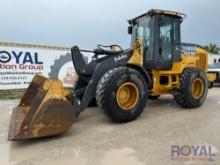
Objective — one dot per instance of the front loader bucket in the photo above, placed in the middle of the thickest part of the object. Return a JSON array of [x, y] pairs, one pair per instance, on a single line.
[[43, 111]]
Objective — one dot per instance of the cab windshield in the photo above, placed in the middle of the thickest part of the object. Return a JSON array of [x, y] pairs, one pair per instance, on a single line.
[[144, 30]]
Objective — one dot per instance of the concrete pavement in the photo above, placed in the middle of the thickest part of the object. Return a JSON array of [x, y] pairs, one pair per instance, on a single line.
[[94, 140]]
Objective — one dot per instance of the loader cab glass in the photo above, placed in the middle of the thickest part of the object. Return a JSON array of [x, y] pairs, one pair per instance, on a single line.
[[143, 30], [160, 35]]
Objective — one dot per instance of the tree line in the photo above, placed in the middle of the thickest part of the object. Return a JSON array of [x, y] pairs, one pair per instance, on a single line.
[[212, 48]]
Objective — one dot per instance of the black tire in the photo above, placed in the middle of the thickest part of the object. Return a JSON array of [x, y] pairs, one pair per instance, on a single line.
[[184, 95], [107, 89], [153, 97]]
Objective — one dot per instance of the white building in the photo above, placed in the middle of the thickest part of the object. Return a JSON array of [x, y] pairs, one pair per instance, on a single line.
[[213, 58]]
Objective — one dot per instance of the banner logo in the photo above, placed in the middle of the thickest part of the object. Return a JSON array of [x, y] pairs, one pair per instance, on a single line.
[[20, 60], [204, 153], [5, 57]]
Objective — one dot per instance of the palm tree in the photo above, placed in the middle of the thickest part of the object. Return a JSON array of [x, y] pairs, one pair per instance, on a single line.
[[212, 48]]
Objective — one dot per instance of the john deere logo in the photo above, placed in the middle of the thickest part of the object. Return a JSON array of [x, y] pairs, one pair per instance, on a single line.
[[4, 57]]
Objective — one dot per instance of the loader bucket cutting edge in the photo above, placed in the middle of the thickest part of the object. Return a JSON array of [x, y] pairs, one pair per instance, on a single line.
[[43, 111]]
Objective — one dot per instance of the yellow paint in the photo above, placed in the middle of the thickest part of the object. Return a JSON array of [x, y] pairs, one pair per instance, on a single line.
[[197, 88], [200, 60], [158, 11], [172, 76], [114, 48], [168, 12], [127, 96], [137, 57], [211, 77], [203, 58], [54, 90]]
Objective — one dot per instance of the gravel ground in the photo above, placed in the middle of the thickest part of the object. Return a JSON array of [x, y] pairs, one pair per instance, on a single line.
[[94, 140]]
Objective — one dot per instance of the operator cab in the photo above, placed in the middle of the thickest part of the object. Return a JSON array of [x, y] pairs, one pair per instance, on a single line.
[[158, 34]]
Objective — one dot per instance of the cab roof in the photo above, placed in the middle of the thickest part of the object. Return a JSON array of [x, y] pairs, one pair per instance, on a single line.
[[159, 11]]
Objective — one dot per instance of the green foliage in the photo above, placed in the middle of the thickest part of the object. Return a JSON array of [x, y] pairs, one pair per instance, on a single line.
[[8, 95], [212, 48]]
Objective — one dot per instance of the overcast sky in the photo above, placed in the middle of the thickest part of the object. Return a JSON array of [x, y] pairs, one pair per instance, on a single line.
[[89, 22]]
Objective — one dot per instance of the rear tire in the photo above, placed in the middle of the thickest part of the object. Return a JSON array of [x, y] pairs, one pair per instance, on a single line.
[[193, 88], [107, 94]]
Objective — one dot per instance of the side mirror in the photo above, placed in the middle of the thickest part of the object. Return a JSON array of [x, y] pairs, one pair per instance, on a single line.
[[130, 29]]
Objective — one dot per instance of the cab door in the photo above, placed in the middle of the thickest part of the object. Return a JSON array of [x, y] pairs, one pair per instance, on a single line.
[[167, 42]]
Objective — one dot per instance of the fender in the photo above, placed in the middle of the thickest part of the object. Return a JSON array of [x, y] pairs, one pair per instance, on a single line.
[[144, 72]]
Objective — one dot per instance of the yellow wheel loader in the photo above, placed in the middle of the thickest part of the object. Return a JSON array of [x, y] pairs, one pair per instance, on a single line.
[[120, 80]]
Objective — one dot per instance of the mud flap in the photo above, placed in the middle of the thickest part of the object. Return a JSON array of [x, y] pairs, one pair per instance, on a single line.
[[43, 111]]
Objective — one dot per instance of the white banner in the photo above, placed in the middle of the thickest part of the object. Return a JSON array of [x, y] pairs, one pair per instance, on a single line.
[[18, 65]]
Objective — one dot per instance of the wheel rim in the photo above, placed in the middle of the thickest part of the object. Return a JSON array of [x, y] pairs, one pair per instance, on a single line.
[[197, 88], [127, 96]]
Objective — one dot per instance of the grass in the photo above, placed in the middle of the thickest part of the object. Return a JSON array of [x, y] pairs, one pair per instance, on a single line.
[[10, 95]]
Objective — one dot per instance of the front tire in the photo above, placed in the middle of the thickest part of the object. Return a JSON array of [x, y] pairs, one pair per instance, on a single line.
[[193, 88], [122, 94]]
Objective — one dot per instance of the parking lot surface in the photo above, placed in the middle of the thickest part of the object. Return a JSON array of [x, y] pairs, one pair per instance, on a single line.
[[94, 140]]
